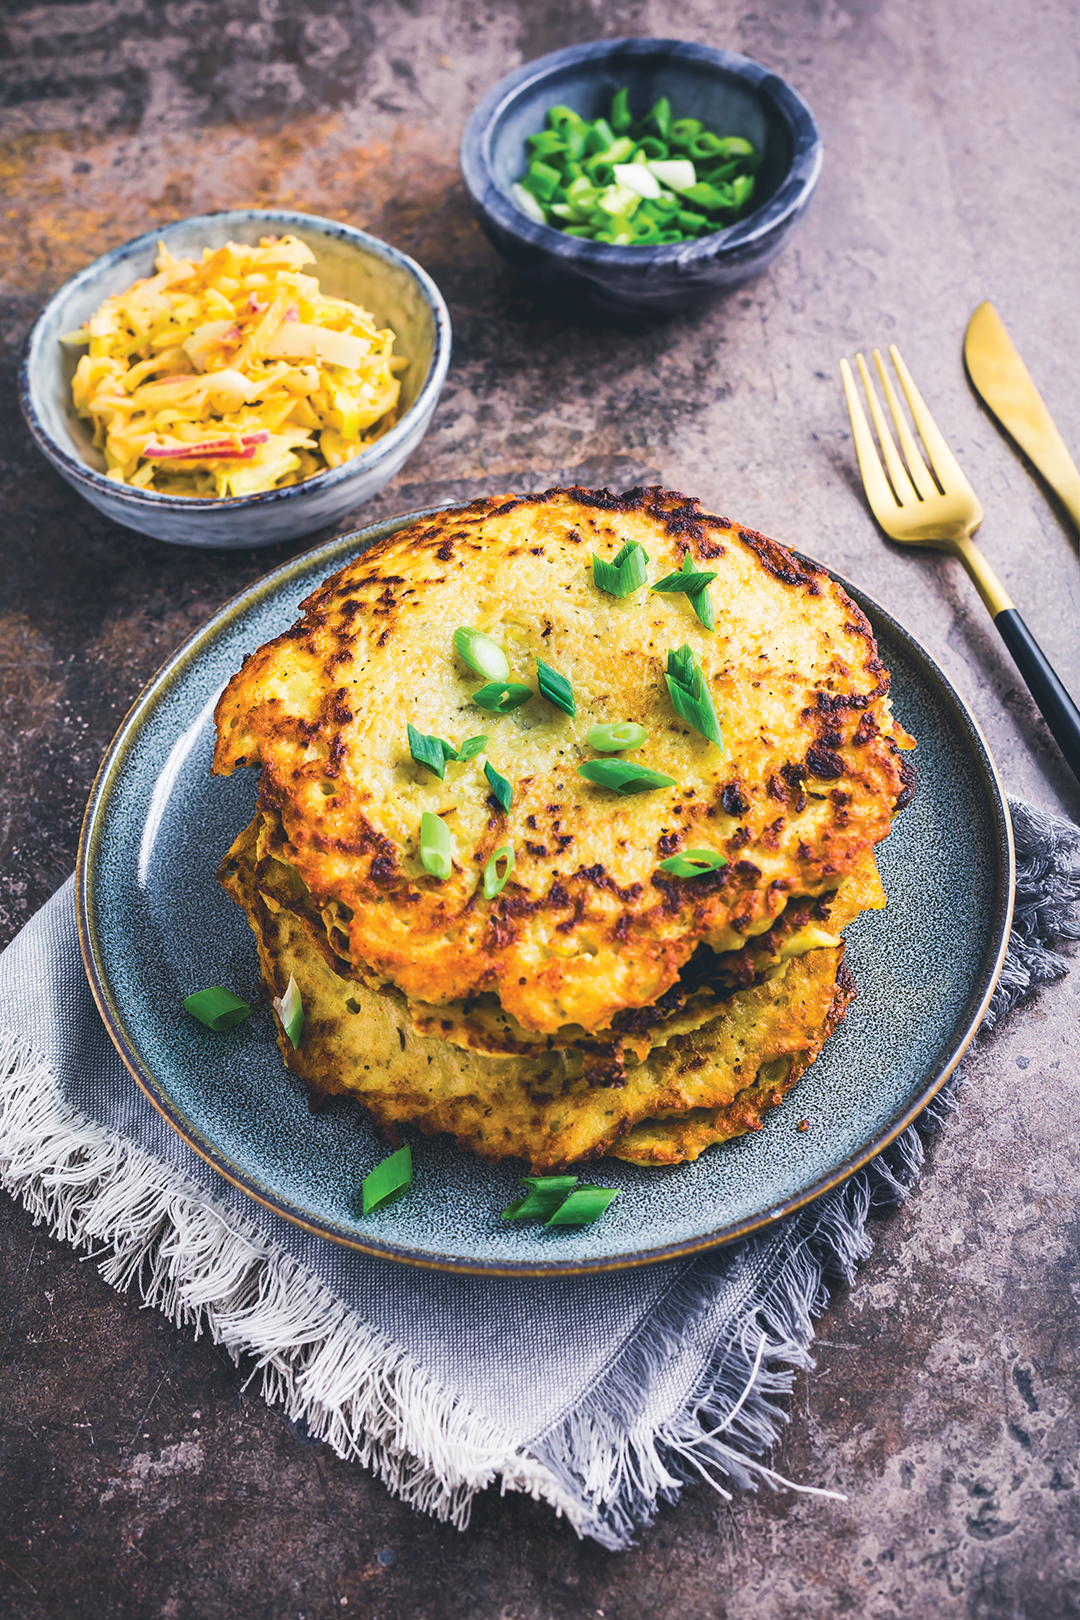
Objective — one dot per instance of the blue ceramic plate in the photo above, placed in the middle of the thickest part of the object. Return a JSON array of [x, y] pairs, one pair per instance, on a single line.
[[155, 926]]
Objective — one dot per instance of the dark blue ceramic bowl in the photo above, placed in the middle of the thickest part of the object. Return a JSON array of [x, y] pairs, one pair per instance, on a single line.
[[730, 94]]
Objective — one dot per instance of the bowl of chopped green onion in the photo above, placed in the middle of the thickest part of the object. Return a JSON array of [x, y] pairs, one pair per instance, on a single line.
[[646, 174]]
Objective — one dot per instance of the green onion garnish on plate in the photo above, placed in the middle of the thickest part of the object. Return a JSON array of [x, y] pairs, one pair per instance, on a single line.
[[626, 573], [693, 862], [388, 1180], [493, 883], [499, 697], [483, 655], [614, 738], [556, 688], [436, 846], [543, 1198], [431, 752], [622, 777], [501, 789], [290, 1009], [217, 1007], [559, 1201], [471, 747], [584, 1204], [690, 697]]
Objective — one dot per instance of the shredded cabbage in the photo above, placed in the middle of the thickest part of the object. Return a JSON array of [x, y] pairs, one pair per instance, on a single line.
[[233, 375]]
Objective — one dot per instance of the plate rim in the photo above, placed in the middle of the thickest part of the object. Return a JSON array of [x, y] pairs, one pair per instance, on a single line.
[[334, 553]]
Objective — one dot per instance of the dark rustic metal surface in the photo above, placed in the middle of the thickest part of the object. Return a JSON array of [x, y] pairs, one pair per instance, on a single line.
[[137, 1477]]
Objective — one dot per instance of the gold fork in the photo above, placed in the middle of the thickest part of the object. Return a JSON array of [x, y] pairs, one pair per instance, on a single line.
[[936, 506]]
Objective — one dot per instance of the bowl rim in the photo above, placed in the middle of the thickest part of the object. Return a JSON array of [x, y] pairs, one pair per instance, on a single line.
[[790, 196], [79, 472]]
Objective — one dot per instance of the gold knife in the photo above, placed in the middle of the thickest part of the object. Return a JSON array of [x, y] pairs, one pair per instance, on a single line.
[[1001, 378]]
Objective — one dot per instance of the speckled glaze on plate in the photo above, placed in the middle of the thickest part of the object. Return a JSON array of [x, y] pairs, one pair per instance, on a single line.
[[154, 925]]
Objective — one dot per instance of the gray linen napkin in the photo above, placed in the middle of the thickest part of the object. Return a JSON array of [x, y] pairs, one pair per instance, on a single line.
[[600, 1395]]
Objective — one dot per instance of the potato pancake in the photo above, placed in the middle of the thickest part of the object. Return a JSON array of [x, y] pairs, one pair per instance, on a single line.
[[703, 986], [567, 1104], [590, 930]]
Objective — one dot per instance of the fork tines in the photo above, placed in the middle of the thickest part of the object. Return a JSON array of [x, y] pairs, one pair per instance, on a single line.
[[916, 480]]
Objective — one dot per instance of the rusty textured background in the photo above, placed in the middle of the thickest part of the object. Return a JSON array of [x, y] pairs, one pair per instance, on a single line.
[[137, 1477]]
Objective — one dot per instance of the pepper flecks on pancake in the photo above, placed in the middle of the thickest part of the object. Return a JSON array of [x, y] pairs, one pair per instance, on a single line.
[[588, 927]]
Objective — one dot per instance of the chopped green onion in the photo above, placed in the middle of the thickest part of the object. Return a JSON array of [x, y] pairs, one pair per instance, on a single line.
[[683, 130], [661, 117], [622, 777], [706, 145], [690, 697], [471, 747], [584, 1204], [616, 158], [499, 697], [693, 862], [555, 687], [290, 1009], [501, 789], [436, 846], [562, 117], [493, 883], [620, 202], [528, 204], [734, 146], [626, 573], [541, 179], [217, 1008], [483, 655], [742, 187], [614, 738], [637, 177], [702, 604], [686, 579], [695, 586], [431, 752], [388, 1180], [621, 119], [711, 198], [545, 1195], [617, 150], [545, 143], [681, 664], [723, 171], [677, 174], [599, 138]]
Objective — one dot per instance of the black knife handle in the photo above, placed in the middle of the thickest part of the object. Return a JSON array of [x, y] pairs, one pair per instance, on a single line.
[[1054, 703]]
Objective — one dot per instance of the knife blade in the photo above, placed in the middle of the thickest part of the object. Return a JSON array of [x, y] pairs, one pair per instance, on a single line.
[[1000, 377]]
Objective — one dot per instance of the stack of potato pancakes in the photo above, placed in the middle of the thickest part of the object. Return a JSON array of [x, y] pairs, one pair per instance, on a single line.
[[599, 1002]]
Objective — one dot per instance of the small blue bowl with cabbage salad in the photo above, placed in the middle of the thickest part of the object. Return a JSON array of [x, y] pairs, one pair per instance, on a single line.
[[187, 500], [743, 110]]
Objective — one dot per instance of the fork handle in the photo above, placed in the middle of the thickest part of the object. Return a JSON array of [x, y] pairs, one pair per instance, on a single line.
[[1054, 703]]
